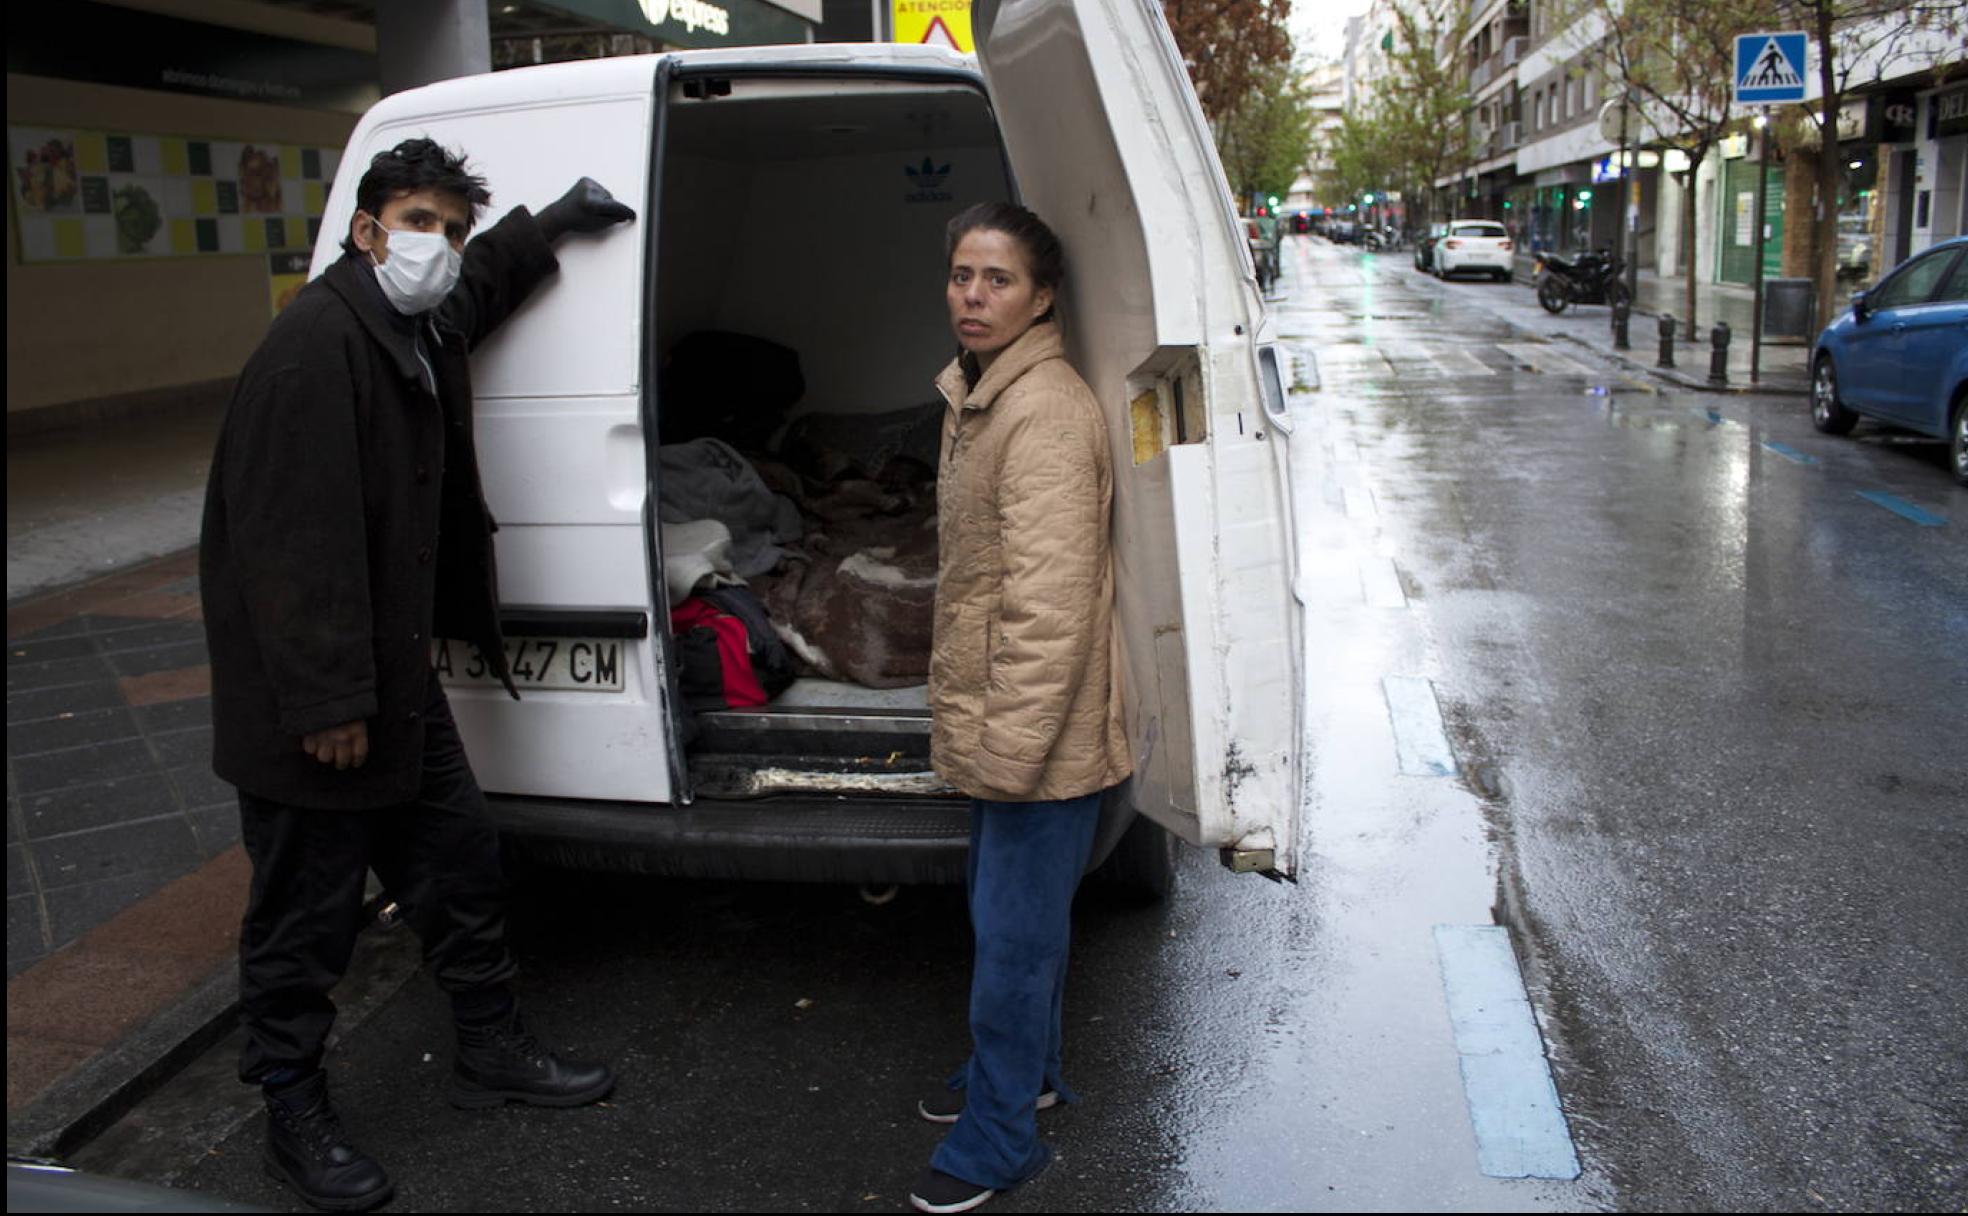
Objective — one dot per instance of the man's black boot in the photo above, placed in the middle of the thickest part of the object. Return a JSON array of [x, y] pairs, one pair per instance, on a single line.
[[501, 1062], [306, 1150]]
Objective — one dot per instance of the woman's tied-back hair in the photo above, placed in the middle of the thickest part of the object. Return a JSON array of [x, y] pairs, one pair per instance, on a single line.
[[1043, 252], [413, 165]]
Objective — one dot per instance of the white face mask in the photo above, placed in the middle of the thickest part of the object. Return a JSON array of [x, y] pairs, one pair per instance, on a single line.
[[421, 270]]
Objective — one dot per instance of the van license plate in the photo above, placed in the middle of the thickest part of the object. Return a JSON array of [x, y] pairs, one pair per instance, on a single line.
[[571, 664]]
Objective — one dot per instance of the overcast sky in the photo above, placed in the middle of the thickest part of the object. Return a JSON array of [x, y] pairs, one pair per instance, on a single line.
[[1319, 26]]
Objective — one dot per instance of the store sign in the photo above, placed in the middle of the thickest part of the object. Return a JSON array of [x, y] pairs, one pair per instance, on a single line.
[[1853, 120], [82, 196], [1606, 169], [108, 44], [1899, 118], [693, 15], [1949, 112], [695, 23]]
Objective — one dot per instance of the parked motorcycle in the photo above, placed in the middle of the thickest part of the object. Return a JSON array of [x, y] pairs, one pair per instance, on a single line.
[[1382, 239], [1594, 277]]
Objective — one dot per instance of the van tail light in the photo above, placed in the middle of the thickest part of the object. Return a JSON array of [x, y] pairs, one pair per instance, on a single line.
[[1451, 244], [1505, 246]]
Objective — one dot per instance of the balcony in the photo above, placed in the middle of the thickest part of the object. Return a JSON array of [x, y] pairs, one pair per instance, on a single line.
[[1514, 50], [1513, 136], [1482, 75]]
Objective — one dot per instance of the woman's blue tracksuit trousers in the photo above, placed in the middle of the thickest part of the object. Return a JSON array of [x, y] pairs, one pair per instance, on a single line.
[[1026, 859]]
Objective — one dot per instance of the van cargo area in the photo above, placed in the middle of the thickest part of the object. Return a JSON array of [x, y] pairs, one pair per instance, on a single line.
[[800, 323]]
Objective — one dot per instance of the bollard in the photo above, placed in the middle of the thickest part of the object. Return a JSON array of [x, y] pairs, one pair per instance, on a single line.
[[1666, 324], [1622, 313], [1718, 355]]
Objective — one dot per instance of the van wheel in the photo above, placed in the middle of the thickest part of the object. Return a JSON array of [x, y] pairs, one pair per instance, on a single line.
[[1141, 869], [1828, 413]]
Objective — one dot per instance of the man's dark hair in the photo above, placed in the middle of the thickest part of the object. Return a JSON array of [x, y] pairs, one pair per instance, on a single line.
[[1043, 252], [417, 164]]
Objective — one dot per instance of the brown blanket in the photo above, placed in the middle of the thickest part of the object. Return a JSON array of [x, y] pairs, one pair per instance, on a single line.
[[855, 598]]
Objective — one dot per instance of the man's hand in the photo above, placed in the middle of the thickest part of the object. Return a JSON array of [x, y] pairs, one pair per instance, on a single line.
[[344, 746], [588, 207]]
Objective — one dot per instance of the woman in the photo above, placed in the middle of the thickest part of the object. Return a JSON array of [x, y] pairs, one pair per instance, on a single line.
[[1024, 681]]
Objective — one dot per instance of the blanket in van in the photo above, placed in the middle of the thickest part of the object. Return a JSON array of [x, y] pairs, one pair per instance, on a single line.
[[707, 479], [855, 599]]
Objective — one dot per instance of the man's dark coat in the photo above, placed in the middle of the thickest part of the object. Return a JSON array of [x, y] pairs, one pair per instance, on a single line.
[[345, 526]]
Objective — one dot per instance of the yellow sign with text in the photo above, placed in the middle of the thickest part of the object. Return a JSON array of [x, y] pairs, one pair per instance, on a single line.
[[944, 23]]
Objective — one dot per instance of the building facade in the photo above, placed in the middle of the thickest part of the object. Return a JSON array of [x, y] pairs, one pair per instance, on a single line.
[[171, 160], [1544, 137]]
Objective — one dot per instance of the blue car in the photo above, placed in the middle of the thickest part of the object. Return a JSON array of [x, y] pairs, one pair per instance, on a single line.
[[1900, 354]]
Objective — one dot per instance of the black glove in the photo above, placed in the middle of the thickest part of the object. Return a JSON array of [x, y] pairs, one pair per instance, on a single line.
[[588, 207]]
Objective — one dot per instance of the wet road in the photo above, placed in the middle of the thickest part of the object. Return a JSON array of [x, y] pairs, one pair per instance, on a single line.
[[1705, 705]]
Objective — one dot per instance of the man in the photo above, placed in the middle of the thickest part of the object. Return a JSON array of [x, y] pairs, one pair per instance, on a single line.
[[344, 528]]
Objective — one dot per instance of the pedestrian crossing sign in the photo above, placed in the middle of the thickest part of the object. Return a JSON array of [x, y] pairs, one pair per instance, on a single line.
[[1769, 68]]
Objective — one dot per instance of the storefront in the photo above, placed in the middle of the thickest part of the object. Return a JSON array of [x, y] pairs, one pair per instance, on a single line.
[[1736, 222], [1563, 211]]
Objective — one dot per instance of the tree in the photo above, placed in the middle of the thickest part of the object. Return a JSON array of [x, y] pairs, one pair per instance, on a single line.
[[1675, 61], [1266, 137], [1425, 111], [1414, 127], [1359, 157], [1229, 47]]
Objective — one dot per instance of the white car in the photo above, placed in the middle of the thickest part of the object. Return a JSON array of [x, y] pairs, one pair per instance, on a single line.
[[1472, 246]]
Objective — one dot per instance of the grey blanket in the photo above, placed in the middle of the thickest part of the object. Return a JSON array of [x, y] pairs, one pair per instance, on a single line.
[[708, 479]]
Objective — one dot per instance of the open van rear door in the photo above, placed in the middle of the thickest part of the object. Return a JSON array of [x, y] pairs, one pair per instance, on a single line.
[[1163, 319]]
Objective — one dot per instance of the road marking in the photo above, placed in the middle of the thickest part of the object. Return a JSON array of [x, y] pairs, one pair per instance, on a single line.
[[1466, 363], [1420, 741], [1790, 453], [1543, 360], [1381, 583], [1903, 508], [1513, 1103], [1349, 356], [1414, 352]]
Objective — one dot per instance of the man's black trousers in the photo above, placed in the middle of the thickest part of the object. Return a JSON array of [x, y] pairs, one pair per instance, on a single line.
[[437, 856]]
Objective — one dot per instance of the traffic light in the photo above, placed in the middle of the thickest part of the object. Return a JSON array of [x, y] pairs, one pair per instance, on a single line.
[[1274, 200], [1367, 199]]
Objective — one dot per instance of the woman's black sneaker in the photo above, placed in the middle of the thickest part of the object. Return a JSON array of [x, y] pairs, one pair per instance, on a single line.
[[937, 1191], [945, 1105]]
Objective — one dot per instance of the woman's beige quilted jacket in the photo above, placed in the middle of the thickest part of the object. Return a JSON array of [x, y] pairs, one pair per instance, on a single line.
[[1025, 674]]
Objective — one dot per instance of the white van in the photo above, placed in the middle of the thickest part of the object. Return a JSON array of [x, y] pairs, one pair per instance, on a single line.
[[798, 194]]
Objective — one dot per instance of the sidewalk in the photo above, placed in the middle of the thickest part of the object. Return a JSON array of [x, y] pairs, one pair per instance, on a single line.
[[125, 884], [85, 501], [1784, 371]]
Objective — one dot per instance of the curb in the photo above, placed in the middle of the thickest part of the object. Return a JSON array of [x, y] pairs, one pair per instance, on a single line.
[[1684, 381], [78, 1107]]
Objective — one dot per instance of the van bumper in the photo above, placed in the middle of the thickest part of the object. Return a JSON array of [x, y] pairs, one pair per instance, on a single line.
[[900, 840]]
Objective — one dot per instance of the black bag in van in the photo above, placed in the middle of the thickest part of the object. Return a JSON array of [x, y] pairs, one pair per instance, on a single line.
[[729, 386]]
